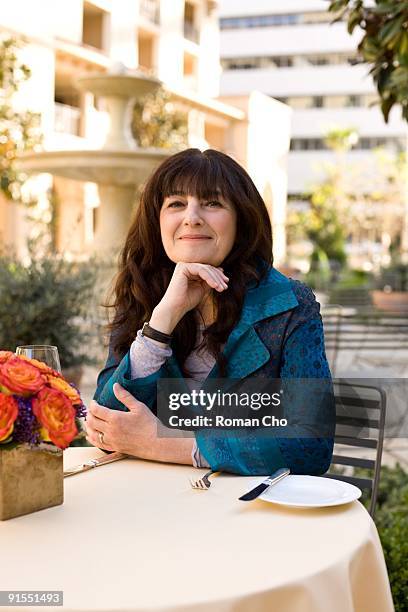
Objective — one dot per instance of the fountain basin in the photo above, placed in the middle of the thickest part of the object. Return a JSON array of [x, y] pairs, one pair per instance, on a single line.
[[103, 166], [119, 167], [129, 85]]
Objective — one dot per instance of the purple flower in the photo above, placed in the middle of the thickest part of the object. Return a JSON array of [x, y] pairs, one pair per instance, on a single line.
[[26, 428], [80, 409]]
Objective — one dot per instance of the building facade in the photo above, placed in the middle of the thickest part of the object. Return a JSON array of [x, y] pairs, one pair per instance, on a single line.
[[176, 41], [289, 51]]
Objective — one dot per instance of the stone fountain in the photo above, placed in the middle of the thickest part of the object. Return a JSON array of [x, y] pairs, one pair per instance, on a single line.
[[119, 166]]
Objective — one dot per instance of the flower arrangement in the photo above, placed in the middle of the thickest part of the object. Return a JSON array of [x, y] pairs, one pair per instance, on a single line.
[[37, 405]]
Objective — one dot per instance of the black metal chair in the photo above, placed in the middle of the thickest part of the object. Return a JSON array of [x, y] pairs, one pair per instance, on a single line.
[[360, 421]]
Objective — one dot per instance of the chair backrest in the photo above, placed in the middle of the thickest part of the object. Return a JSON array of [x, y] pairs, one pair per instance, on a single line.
[[360, 421], [332, 318]]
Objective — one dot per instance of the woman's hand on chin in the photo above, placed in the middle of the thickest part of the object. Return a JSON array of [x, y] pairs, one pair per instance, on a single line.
[[189, 285], [132, 433]]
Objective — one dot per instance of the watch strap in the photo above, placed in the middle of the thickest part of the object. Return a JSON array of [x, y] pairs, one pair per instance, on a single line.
[[154, 334]]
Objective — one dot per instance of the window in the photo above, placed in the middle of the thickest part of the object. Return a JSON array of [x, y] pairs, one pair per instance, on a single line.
[[146, 48], [319, 60], [364, 144], [150, 9], [191, 32], [190, 71], [67, 111], [94, 24], [353, 101], [280, 19], [242, 64], [284, 61], [307, 144], [317, 102]]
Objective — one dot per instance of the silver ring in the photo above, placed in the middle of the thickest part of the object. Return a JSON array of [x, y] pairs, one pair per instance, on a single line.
[[101, 434]]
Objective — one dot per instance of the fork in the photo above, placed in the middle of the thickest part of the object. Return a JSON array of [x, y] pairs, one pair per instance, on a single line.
[[203, 483]]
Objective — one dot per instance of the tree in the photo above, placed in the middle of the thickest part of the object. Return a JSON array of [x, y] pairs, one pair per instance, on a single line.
[[19, 129], [359, 202], [19, 132], [384, 45], [323, 226], [158, 123], [324, 222]]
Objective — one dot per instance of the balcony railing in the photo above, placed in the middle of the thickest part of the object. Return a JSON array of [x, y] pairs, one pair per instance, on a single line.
[[150, 10], [191, 32], [67, 119]]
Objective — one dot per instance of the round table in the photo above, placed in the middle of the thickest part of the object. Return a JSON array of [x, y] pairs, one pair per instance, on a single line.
[[133, 535]]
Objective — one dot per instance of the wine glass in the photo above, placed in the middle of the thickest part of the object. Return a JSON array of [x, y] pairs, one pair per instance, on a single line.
[[42, 352]]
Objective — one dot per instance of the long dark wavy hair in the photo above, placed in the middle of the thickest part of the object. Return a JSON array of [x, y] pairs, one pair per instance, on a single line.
[[145, 270]]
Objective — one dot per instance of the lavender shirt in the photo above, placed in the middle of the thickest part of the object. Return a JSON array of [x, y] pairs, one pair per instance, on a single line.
[[146, 357]]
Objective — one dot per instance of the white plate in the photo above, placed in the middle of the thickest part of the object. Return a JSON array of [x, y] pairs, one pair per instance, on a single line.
[[310, 492]]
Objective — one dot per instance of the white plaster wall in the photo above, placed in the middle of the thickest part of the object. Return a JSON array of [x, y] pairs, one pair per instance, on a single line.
[[170, 52], [314, 122], [268, 144], [319, 80], [209, 67], [241, 8], [123, 39], [43, 18], [288, 40]]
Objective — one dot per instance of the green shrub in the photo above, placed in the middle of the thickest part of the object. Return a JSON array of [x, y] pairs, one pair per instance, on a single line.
[[391, 519], [48, 301], [351, 279]]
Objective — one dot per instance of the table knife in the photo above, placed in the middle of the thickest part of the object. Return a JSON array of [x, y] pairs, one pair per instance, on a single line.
[[93, 463], [271, 480]]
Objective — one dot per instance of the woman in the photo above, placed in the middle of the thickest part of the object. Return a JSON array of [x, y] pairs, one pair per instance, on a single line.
[[197, 266]]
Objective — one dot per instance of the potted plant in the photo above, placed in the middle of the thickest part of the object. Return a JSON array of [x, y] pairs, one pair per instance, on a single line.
[[40, 415], [391, 293]]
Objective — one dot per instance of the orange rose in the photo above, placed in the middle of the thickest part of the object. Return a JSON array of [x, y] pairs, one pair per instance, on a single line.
[[56, 414], [19, 376], [44, 369], [61, 385], [8, 414], [4, 355]]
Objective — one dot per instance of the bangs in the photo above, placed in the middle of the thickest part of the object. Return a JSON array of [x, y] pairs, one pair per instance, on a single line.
[[198, 176]]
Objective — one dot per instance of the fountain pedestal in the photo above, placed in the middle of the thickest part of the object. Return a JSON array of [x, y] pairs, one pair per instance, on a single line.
[[118, 168], [113, 216]]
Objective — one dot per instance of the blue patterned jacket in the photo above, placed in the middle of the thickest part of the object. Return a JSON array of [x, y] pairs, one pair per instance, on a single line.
[[279, 335]]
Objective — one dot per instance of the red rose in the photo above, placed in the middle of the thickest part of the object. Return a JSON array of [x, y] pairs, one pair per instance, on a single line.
[[57, 416], [40, 365], [62, 385], [4, 355], [8, 414], [19, 376]]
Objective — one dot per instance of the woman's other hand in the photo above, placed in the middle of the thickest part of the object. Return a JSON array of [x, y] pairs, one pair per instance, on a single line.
[[133, 432], [189, 285]]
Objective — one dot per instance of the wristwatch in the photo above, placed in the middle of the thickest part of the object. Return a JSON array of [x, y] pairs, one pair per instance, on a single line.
[[154, 334]]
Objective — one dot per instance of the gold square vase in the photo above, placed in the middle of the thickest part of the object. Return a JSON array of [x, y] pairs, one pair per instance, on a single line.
[[31, 479]]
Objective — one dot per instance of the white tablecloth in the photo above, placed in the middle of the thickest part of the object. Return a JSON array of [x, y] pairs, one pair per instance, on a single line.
[[133, 535]]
